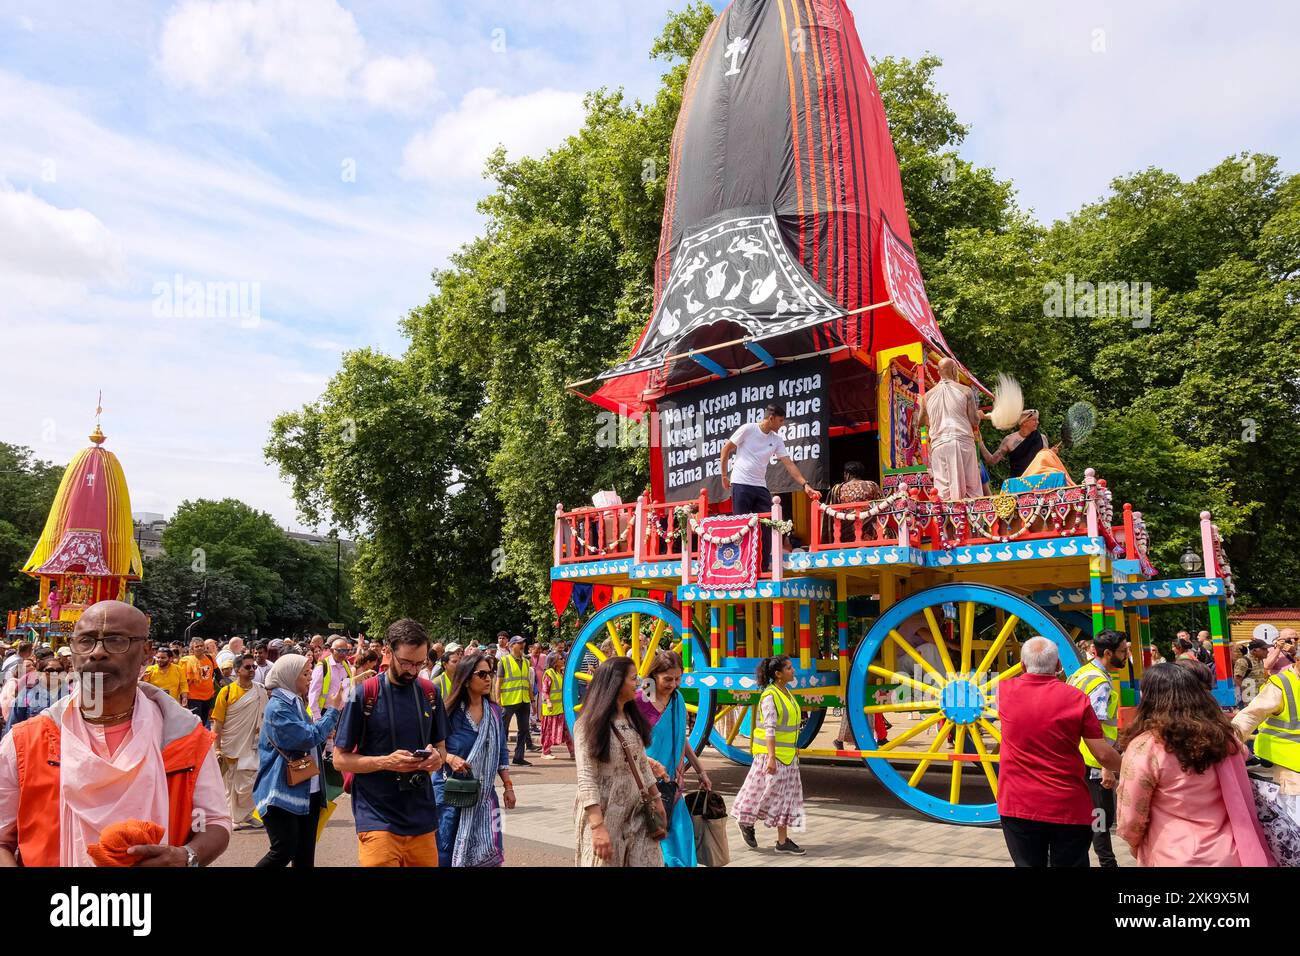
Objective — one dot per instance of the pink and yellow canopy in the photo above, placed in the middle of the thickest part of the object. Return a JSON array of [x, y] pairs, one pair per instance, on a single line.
[[89, 529]]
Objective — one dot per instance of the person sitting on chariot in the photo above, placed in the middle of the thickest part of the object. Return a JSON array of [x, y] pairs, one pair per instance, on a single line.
[[855, 488], [951, 413], [1031, 460]]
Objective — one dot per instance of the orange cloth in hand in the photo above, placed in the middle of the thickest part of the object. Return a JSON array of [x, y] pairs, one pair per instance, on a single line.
[[117, 838]]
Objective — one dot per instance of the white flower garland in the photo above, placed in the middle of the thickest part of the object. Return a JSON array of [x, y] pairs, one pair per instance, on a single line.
[[871, 511], [729, 539]]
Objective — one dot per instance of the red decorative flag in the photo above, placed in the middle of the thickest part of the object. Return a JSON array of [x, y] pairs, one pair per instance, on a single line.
[[729, 549], [561, 591], [601, 595]]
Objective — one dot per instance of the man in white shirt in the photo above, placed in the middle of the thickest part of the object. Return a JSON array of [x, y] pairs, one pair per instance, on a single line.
[[754, 445]]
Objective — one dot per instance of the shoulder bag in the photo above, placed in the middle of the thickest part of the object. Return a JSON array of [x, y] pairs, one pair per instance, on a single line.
[[655, 823]]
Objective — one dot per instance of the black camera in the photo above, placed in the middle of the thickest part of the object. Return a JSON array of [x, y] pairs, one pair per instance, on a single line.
[[418, 780]]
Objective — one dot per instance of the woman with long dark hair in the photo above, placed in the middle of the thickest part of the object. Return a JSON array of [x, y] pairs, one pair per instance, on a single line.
[[773, 790], [1183, 795], [610, 734], [476, 747], [664, 708]]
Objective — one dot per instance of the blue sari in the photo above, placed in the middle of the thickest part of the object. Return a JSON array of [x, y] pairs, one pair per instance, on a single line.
[[667, 744]]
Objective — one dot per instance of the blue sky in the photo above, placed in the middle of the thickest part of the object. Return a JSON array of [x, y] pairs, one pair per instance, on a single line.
[[322, 156]]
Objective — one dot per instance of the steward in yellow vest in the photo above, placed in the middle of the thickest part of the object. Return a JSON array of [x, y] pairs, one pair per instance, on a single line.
[[553, 702], [787, 725], [1278, 737], [1112, 652], [514, 687]]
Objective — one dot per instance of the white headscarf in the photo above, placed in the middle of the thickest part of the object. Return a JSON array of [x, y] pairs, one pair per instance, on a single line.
[[285, 673]]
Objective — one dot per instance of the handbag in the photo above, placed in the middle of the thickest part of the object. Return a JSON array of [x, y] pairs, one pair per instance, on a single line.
[[298, 769], [460, 791], [669, 790], [656, 824], [709, 821]]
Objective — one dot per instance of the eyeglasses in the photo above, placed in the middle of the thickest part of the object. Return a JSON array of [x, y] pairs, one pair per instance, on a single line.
[[486, 675], [116, 644], [409, 665]]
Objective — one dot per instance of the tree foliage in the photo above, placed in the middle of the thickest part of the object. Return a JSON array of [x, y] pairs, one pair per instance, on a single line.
[[464, 444], [27, 488]]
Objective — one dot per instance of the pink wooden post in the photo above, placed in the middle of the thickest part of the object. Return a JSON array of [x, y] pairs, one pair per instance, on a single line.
[[776, 540], [816, 529], [559, 532], [904, 533], [1130, 539], [638, 546], [1090, 482], [1207, 546]]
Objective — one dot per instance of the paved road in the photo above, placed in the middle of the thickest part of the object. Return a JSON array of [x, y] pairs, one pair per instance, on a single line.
[[852, 820]]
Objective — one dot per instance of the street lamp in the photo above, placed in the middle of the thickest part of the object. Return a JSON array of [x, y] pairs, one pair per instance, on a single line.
[[1191, 561]]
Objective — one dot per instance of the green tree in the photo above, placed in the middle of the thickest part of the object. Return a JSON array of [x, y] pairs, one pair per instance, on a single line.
[[27, 488]]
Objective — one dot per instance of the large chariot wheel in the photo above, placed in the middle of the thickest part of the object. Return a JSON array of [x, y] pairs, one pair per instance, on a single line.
[[942, 703], [638, 628]]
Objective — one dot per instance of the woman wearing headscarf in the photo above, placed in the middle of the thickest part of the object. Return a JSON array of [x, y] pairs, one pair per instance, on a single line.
[[476, 747], [291, 813], [664, 708]]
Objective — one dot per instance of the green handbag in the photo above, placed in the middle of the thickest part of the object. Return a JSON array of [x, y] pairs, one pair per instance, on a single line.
[[460, 791]]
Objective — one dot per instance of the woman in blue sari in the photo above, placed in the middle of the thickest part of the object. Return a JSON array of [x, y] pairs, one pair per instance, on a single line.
[[663, 706]]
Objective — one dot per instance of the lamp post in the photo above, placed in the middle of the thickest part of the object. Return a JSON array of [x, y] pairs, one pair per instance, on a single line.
[[1191, 562]]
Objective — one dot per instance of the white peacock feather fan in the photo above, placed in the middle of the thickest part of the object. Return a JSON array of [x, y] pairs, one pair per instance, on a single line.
[[1008, 403]]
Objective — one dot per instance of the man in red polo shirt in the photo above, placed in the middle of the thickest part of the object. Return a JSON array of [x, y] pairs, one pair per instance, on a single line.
[[1043, 799]]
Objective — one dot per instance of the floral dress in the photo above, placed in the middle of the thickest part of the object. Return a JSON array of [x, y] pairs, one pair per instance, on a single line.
[[777, 798], [610, 785]]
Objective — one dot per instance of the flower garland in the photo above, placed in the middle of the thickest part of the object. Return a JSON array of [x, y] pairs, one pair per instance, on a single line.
[[729, 539], [610, 546], [871, 511]]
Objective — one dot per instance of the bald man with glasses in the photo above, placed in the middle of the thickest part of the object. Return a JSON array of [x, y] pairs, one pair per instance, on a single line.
[[112, 751]]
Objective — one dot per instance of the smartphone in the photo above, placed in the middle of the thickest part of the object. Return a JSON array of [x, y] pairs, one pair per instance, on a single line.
[[422, 754]]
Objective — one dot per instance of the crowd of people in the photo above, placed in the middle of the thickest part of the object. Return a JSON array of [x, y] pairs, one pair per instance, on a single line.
[[417, 732]]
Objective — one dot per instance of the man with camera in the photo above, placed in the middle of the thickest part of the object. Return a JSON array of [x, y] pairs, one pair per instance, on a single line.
[[392, 736]]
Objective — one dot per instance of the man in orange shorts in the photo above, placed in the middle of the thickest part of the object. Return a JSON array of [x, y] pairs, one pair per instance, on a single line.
[[393, 736]]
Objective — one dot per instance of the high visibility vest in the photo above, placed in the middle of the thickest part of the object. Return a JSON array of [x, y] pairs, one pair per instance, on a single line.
[[1278, 738], [444, 684], [787, 725], [1088, 678], [553, 705], [37, 745], [514, 681], [325, 686]]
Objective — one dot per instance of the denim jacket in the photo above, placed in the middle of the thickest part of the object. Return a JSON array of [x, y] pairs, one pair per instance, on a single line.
[[287, 726]]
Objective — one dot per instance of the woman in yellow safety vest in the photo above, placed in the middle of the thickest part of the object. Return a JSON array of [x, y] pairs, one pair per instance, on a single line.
[[773, 791], [555, 730]]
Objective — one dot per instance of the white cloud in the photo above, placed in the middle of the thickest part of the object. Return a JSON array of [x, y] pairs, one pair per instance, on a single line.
[[41, 240], [401, 84], [306, 49], [461, 140]]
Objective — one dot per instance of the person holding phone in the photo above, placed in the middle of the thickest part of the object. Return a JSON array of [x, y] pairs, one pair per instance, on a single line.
[[393, 738]]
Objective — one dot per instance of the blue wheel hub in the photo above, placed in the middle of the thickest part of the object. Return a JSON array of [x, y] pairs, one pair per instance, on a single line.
[[962, 701]]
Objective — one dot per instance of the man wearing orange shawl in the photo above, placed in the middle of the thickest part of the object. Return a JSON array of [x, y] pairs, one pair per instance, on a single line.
[[111, 753]]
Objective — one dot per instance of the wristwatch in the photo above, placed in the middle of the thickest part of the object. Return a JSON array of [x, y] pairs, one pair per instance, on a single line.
[[192, 856]]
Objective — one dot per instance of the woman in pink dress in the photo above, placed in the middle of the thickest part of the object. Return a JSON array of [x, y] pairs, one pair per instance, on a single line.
[[1184, 798]]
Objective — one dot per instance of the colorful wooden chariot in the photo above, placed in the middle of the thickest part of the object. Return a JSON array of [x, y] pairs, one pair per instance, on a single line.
[[786, 275]]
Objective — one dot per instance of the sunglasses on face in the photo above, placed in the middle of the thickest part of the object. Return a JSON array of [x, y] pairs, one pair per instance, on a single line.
[[486, 675]]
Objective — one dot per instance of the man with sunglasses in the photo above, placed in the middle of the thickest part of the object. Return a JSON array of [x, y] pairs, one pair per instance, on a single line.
[[393, 738], [236, 720], [112, 751]]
